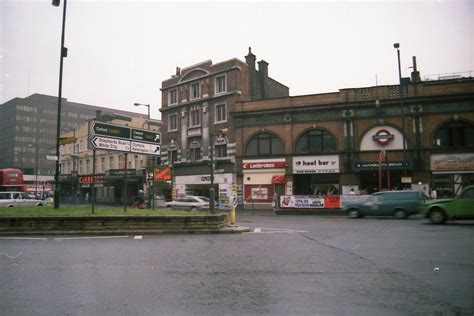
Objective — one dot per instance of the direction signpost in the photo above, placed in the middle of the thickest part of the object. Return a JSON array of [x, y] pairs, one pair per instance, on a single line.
[[104, 136]]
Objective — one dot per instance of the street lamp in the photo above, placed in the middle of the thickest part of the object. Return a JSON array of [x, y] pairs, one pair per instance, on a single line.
[[36, 167], [153, 167], [397, 46], [63, 53], [147, 105]]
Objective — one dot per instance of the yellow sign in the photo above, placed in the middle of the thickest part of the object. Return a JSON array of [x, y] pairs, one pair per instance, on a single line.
[[67, 140]]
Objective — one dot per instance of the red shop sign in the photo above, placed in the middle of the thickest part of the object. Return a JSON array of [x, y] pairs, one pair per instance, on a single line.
[[264, 165]]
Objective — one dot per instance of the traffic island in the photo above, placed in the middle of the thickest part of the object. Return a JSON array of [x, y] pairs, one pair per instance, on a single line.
[[113, 225]]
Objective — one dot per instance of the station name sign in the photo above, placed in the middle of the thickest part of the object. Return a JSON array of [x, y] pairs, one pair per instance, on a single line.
[[104, 136]]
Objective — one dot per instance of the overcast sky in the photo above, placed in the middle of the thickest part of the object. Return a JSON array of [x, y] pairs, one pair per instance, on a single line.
[[121, 51]]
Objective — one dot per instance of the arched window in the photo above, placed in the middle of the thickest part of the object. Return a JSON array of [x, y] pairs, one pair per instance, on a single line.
[[315, 141], [454, 134], [264, 144]]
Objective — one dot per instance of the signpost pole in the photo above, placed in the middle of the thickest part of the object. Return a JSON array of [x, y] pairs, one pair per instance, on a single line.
[[125, 184], [153, 183], [93, 181]]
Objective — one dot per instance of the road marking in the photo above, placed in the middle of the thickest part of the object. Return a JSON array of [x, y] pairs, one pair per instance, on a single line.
[[24, 238], [266, 230], [284, 229], [11, 257], [93, 237]]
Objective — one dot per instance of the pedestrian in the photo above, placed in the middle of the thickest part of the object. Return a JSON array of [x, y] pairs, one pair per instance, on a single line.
[[275, 201], [434, 194], [352, 191]]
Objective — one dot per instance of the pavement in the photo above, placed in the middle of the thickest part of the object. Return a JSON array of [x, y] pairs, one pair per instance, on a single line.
[[294, 211]]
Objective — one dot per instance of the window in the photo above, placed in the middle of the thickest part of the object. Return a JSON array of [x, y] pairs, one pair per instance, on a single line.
[[220, 144], [195, 150], [220, 113], [172, 122], [121, 162], [195, 119], [111, 162], [173, 97], [88, 166], [315, 141], [221, 84], [81, 167], [454, 134], [195, 91], [172, 156], [102, 164], [221, 151], [264, 144]]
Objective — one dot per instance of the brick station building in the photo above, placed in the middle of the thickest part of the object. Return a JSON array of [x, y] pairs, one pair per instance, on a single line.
[[331, 142]]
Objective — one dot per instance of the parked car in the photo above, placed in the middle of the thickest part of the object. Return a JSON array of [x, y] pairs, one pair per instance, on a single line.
[[461, 207], [400, 204], [189, 202], [18, 199]]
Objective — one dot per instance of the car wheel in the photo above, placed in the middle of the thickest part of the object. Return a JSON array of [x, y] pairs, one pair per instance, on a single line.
[[437, 216], [353, 213], [193, 208], [40, 204], [400, 214]]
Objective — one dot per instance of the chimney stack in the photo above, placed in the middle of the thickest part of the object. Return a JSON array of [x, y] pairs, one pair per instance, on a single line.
[[263, 68], [250, 59], [415, 74]]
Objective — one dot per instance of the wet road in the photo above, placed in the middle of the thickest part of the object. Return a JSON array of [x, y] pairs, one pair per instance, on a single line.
[[288, 266]]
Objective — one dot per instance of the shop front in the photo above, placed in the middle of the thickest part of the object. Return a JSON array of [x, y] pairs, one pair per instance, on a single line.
[[200, 185], [379, 164], [261, 178], [451, 173], [113, 190], [316, 175]]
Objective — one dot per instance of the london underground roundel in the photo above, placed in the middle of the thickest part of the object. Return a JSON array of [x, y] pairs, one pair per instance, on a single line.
[[383, 137]]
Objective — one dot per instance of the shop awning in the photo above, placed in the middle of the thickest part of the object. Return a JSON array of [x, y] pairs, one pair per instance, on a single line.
[[280, 179]]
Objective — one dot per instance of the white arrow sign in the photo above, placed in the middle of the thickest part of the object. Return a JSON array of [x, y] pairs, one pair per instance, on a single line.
[[145, 148], [99, 142]]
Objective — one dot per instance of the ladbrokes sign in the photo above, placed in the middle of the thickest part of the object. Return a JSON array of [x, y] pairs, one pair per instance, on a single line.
[[316, 164], [264, 164]]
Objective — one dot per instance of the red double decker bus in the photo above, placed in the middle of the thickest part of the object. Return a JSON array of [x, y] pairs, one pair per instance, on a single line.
[[11, 180]]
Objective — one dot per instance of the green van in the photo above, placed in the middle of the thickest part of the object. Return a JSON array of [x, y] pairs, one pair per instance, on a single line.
[[399, 204]]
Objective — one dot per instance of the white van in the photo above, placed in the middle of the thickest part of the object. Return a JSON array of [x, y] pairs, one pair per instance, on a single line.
[[18, 199]]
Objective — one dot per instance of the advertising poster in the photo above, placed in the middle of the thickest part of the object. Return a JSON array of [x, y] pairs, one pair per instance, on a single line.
[[301, 202], [332, 201], [240, 194], [224, 195], [259, 193]]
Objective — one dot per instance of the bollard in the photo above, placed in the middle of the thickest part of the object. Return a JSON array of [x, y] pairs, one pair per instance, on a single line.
[[232, 215]]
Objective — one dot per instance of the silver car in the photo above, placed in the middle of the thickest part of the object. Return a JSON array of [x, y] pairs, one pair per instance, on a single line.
[[18, 199], [190, 203]]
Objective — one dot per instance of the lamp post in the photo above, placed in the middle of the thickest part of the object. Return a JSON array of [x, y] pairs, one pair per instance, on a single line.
[[211, 189], [147, 105], [153, 167], [402, 108], [63, 53], [36, 167]]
